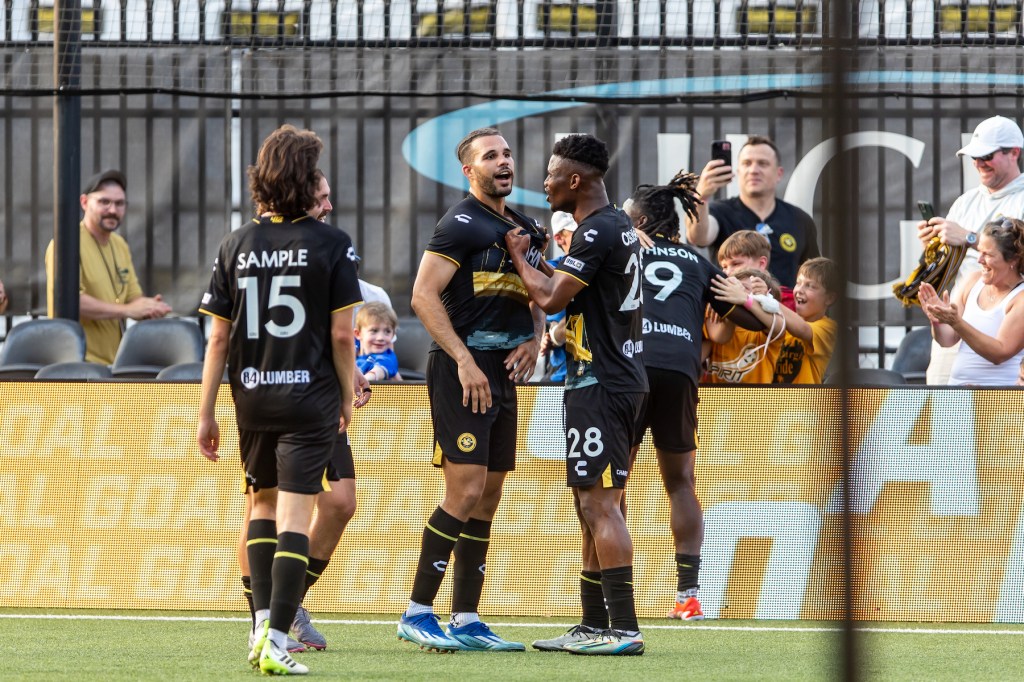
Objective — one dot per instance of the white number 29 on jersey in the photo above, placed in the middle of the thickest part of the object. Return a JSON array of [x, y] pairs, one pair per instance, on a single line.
[[250, 286]]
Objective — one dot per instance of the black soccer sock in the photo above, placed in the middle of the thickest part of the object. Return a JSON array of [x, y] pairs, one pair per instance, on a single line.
[[595, 614], [618, 594], [315, 569], [289, 572], [247, 591], [439, 538], [687, 570], [470, 562], [260, 545]]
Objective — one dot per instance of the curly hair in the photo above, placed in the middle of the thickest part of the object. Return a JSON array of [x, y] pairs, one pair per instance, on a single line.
[[285, 177], [1008, 236], [657, 202], [584, 149]]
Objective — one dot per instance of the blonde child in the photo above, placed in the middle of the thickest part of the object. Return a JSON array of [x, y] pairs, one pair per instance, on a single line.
[[810, 334], [750, 249], [375, 333]]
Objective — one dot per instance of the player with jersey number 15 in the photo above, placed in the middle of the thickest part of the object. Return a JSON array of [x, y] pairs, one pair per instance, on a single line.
[[281, 298]]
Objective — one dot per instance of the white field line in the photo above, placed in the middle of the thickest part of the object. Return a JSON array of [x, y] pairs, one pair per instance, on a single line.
[[695, 627]]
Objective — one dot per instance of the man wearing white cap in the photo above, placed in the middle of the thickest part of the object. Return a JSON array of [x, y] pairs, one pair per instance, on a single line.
[[995, 148]]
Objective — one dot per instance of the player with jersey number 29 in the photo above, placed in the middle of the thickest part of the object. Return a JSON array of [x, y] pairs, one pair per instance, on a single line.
[[598, 283], [281, 298]]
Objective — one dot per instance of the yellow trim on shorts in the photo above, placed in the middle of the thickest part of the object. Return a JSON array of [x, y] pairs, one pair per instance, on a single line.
[[292, 555], [325, 484], [606, 477], [438, 457]]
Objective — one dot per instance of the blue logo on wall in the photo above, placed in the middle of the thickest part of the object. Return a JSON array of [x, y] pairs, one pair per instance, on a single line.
[[430, 147]]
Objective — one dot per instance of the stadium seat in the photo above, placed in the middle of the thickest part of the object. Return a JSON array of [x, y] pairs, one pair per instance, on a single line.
[[151, 345], [871, 376], [913, 355], [182, 372], [32, 345], [74, 371], [412, 348]]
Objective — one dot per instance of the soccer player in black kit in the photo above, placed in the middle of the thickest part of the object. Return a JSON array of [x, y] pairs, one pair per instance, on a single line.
[[486, 337], [281, 298], [677, 290], [599, 284]]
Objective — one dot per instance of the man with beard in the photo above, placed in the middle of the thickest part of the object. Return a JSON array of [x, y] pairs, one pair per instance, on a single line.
[[109, 291], [486, 338]]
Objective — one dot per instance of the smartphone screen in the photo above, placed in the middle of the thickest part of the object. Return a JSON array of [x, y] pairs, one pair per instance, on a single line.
[[927, 212]]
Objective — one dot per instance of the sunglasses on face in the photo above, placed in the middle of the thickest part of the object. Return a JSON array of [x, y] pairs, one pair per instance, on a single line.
[[988, 157]]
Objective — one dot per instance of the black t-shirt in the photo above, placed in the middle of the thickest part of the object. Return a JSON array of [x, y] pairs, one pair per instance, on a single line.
[[677, 289], [486, 300], [278, 280], [604, 342], [793, 236]]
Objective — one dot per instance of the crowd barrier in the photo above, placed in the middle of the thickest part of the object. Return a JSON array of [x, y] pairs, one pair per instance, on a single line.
[[106, 503]]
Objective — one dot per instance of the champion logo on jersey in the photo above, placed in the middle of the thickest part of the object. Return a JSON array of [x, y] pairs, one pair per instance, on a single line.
[[252, 377], [573, 263]]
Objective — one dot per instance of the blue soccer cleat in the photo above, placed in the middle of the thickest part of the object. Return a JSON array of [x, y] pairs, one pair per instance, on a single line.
[[423, 629], [478, 637]]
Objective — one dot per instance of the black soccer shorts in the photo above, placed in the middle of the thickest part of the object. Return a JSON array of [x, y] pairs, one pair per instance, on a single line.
[[599, 428], [670, 411]]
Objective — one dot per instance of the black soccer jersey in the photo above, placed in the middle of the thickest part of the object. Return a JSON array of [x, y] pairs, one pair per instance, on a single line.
[[486, 300], [791, 232], [603, 339], [677, 289], [278, 280]]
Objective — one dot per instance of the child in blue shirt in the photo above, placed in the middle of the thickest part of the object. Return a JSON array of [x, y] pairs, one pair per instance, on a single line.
[[375, 335]]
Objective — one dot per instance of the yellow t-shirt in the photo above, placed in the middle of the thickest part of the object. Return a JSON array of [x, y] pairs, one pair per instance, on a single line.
[[105, 273], [743, 360], [801, 362]]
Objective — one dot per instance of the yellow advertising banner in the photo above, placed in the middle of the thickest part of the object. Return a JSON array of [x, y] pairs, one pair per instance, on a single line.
[[105, 502]]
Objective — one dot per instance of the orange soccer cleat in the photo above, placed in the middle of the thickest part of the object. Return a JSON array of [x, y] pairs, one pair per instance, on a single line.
[[688, 610]]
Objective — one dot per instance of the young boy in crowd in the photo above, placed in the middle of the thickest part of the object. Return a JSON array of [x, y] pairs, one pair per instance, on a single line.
[[375, 329], [738, 355], [750, 249], [810, 334]]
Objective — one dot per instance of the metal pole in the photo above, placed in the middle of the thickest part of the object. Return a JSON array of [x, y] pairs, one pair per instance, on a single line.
[[67, 153]]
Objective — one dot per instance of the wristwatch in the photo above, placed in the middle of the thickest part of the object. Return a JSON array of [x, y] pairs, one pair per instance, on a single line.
[[971, 239]]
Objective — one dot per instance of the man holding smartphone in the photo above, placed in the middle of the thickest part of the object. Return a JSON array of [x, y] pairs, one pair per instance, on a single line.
[[792, 233], [995, 148]]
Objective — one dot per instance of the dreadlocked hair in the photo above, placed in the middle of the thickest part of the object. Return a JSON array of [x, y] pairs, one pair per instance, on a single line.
[[657, 203]]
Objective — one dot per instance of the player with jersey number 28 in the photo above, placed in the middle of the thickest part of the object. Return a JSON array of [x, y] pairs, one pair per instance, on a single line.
[[281, 298], [598, 283]]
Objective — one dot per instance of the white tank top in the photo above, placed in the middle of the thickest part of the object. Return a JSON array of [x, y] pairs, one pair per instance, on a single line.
[[971, 368]]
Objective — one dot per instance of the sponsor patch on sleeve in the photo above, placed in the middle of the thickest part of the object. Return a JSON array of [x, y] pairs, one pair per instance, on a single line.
[[576, 265]]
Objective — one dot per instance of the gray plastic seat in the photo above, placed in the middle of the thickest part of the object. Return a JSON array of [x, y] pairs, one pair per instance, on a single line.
[[412, 348], [32, 345], [151, 345], [182, 372], [74, 371], [913, 355]]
